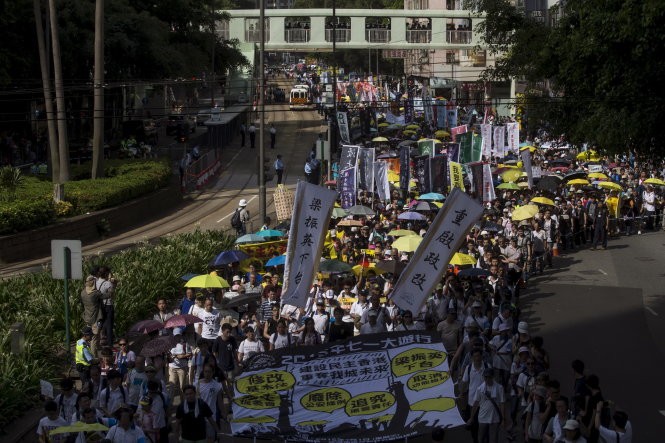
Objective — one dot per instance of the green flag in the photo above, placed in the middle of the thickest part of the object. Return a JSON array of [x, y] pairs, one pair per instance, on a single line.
[[476, 147], [465, 147], [426, 147]]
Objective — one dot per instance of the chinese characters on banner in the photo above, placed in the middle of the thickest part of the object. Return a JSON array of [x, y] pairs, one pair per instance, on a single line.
[[488, 185], [370, 388], [265, 250], [349, 157], [430, 261], [439, 173], [343, 124], [422, 173], [426, 147], [311, 215], [513, 134], [381, 180], [365, 168], [454, 132], [486, 133], [456, 178], [526, 160], [404, 167], [500, 141], [347, 187]]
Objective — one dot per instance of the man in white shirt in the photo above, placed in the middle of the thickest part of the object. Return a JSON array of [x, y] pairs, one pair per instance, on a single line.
[[179, 364], [252, 136], [279, 168], [209, 327], [372, 326], [648, 204], [490, 403]]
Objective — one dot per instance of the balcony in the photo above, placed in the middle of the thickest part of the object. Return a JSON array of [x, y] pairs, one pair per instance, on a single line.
[[341, 35], [459, 37], [377, 35], [296, 35], [419, 36]]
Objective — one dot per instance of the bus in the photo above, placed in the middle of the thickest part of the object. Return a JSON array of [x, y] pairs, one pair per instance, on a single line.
[[299, 98]]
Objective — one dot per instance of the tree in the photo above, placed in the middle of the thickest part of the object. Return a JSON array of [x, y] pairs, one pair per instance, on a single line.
[[603, 61]]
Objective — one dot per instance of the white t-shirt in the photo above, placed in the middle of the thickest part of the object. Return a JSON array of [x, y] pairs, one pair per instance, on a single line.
[[46, 425], [119, 435], [208, 392], [473, 377], [487, 413], [115, 398], [610, 435], [281, 341], [66, 405], [211, 324], [321, 322], [248, 348], [367, 328]]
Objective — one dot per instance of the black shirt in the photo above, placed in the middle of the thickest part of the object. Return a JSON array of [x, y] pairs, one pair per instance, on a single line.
[[340, 331], [193, 428], [225, 351]]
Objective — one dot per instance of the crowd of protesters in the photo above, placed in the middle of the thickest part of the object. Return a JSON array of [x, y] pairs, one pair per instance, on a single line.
[[502, 369]]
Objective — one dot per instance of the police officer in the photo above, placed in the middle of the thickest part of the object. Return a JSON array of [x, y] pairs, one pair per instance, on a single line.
[[84, 357]]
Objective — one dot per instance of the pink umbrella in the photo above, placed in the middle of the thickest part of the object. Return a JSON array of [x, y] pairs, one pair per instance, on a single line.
[[146, 326], [158, 346], [182, 320]]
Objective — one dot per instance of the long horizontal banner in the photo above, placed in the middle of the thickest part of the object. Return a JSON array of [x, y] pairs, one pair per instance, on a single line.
[[376, 387], [264, 251]]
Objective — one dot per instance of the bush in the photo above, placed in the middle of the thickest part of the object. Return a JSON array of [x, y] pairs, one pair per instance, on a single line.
[[145, 273], [126, 180]]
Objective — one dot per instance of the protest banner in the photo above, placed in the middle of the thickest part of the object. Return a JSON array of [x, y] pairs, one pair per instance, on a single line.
[[343, 124], [456, 131], [381, 180], [426, 146], [347, 187], [421, 171], [477, 179], [264, 251], [370, 388], [439, 173], [456, 177], [465, 147], [430, 261], [452, 151], [365, 168], [309, 225], [513, 137], [526, 161], [500, 141], [404, 167], [489, 195], [349, 157], [486, 134]]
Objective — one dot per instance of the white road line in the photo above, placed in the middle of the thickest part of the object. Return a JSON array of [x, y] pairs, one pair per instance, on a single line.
[[654, 313], [602, 272], [227, 216]]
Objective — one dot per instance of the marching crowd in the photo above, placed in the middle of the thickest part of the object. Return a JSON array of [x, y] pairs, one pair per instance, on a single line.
[[502, 369]]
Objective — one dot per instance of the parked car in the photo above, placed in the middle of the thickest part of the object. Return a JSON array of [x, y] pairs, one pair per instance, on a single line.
[[175, 120]]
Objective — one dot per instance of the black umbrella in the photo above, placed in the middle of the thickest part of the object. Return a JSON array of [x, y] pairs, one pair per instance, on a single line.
[[392, 266], [560, 162], [491, 227], [242, 300], [334, 266], [390, 154], [549, 183], [158, 346], [574, 175]]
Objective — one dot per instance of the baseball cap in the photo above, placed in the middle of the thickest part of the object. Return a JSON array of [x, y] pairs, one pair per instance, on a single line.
[[523, 327], [571, 425], [236, 278], [524, 349]]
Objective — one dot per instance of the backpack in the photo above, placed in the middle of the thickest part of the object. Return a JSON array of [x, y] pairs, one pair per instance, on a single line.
[[235, 220]]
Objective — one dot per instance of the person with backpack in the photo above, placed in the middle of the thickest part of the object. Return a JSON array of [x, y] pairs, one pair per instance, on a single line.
[[114, 395], [281, 338], [240, 218]]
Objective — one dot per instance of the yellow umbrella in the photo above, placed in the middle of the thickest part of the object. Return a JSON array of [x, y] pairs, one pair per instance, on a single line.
[[360, 269], [441, 134], [503, 165], [654, 181], [588, 155], [460, 259], [508, 185], [511, 175], [542, 201], [532, 149], [416, 127], [383, 125], [408, 132], [523, 184], [379, 139], [598, 175], [525, 212], [407, 243], [401, 232], [207, 281], [610, 185], [578, 181], [438, 204], [78, 427]]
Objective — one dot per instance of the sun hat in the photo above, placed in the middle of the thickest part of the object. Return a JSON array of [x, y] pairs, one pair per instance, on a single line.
[[242, 203]]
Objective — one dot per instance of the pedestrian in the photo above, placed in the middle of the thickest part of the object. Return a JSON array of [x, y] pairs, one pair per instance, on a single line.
[[126, 430], [193, 415], [162, 315], [243, 133], [180, 355], [273, 134], [91, 299], [240, 218], [114, 396], [279, 168], [84, 357], [106, 284], [308, 170], [49, 423], [490, 403], [252, 136], [601, 225]]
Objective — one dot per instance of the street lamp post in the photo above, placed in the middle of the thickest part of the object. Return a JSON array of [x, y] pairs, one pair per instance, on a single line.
[[262, 181]]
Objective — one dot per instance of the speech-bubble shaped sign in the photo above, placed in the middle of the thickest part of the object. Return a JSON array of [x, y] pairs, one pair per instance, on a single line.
[[440, 404], [259, 419], [268, 400], [416, 359], [269, 381], [325, 400], [427, 379], [369, 403]]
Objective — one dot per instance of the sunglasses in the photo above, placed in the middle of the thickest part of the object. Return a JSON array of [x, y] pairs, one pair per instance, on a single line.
[[122, 344]]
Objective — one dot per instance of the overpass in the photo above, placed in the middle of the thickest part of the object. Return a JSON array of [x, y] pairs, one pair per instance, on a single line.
[[313, 30]]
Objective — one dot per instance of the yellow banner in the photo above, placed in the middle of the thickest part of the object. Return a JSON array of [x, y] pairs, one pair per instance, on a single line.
[[264, 251], [456, 180]]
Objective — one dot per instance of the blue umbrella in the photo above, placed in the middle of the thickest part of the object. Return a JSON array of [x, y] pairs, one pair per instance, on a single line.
[[432, 196], [227, 257], [188, 276], [250, 238], [411, 215], [270, 233], [276, 261]]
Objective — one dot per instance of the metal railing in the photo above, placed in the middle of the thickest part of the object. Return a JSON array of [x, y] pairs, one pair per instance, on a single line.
[[460, 37], [377, 35], [296, 35], [341, 35], [418, 36]]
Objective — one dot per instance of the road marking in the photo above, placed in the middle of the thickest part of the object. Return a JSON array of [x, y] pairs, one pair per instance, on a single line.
[[654, 313], [248, 201], [602, 272]]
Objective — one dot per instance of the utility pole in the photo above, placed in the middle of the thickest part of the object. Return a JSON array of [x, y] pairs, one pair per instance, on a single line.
[[333, 119], [98, 93], [63, 142], [262, 89]]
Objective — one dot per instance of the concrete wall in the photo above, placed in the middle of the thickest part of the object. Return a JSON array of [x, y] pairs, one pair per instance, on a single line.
[[37, 243]]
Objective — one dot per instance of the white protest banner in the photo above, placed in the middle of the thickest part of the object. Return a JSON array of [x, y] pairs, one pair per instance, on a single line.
[[343, 124], [526, 159], [311, 215], [486, 133], [488, 185], [430, 261], [595, 168], [499, 141], [381, 180], [537, 171], [513, 134], [335, 392]]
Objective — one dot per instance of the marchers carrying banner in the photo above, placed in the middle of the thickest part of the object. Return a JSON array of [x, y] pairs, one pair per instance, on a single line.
[[375, 387], [343, 124], [456, 177], [404, 167], [347, 187], [513, 136], [430, 261], [309, 225], [381, 180], [500, 141]]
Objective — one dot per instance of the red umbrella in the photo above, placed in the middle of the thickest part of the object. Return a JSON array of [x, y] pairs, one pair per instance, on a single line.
[[146, 326], [159, 346], [182, 320]]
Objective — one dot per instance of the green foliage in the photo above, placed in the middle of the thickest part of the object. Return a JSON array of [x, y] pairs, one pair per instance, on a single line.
[[125, 180], [145, 272], [603, 62], [11, 180]]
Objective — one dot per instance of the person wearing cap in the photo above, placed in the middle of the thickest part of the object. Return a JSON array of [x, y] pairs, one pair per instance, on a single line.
[[523, 337], [489, 402], [572, 433], [383, 316], [241, 229], [84, 356], [147, 419], [372, 325]]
